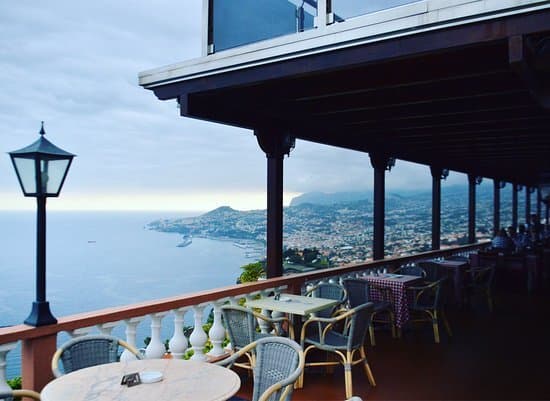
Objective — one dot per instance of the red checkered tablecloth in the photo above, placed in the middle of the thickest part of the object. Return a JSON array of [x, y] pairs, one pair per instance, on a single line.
[[399, 298]]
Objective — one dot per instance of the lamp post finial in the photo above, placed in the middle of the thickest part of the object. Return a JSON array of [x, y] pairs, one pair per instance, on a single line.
[[42, 132]]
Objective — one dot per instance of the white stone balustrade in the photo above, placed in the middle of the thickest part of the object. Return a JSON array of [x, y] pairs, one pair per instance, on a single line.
[[178, 343], [83, 331], [131, 328], [107, 328], [198, 337], [4, 349], [217, 331], [155, 348]]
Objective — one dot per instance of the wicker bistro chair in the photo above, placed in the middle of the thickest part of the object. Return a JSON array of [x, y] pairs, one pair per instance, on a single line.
[[344, 345], [11, 395], [359, 293], [426, 305], [243, 328], [481, 282], [411, 270], [434, 271], [329, 291], [279, 364], [89, 350]]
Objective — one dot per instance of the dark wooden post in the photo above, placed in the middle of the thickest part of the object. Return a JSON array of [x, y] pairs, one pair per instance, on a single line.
[[275, 145], [472, 181], [496, 206], [380, 163], [515, 205], [436, 207]]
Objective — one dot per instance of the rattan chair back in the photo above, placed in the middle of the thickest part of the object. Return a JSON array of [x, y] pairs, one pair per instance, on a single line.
[[279, 363], [90, 350]]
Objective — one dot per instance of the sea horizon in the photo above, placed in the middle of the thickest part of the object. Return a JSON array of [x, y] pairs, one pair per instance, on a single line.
[[97, 260]]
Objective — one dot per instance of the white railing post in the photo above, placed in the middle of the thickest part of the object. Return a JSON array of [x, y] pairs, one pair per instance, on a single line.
[[156, 348], [4, 349], [198, 337], [322, 18], [217, 331], [131, 326], [83, 331], [178, 343], [106, 328]]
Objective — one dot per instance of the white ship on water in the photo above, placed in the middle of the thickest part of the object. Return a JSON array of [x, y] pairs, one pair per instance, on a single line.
[[187, 240]]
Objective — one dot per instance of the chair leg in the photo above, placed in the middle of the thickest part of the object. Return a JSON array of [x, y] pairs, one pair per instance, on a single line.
[[300, 381], [489, 301], [348, 375], [371, 335], [435, 325], [392, 322], [446, 323], [368, 371]]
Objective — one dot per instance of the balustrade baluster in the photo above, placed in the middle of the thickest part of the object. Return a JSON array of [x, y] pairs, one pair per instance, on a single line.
[[83, 331], [107, 328], [155, 348], [4, 349], [217, 331], [178, 343], [131, 326], [198, 337]]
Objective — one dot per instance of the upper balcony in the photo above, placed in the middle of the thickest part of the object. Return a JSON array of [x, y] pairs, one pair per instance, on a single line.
[[454, 83], [244, 33]]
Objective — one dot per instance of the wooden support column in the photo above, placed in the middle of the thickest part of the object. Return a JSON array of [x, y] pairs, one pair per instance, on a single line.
[[496, 206], [515, 205], [36, 357], [436, 207], [275, 145], [380, 163], [472, 182]]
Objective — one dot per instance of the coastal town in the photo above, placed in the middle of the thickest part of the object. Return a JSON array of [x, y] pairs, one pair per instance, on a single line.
[[341, 232]]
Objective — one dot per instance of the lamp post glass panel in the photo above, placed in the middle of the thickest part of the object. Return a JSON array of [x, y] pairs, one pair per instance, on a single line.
[[41, 169]]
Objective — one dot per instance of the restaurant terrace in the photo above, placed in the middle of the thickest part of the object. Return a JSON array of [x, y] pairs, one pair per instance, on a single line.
[[460, 85]]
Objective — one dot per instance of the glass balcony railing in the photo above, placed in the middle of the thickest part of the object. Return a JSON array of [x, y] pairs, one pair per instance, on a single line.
[[345, 9], [235, 23]]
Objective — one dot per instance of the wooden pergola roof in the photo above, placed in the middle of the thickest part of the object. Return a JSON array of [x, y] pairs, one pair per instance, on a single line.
[[473, 98]]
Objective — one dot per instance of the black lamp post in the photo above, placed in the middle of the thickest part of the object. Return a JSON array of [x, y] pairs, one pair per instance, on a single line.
[[41, 169]]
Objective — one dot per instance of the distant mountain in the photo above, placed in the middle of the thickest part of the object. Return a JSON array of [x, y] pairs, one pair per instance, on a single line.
[[322, 198], [336, 198], [392, 197]]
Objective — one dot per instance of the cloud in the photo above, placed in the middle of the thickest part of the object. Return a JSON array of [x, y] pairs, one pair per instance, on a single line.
[[75, 65]]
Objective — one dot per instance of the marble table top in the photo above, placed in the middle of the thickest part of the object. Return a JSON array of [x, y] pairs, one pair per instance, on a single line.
[[182, 380], [295, 304]]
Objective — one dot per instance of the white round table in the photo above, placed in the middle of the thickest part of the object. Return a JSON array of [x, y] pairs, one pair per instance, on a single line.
[[182, 380]]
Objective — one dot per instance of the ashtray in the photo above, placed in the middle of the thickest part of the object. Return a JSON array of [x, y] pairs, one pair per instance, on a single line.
[[150, 376]]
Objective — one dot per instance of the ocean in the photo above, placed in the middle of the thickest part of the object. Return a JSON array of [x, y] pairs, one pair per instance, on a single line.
[[101, 259]]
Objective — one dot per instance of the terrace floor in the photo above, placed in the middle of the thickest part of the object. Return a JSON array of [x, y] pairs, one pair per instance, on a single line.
[[500, 355]]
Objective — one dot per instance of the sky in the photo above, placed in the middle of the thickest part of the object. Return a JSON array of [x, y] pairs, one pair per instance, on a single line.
[[75, 65]]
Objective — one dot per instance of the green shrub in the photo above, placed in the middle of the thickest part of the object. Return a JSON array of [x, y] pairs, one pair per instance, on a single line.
[[15, 383]]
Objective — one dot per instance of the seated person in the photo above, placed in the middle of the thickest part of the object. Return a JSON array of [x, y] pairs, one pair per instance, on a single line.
[[522, 240], [512, 233], [502, 242]]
